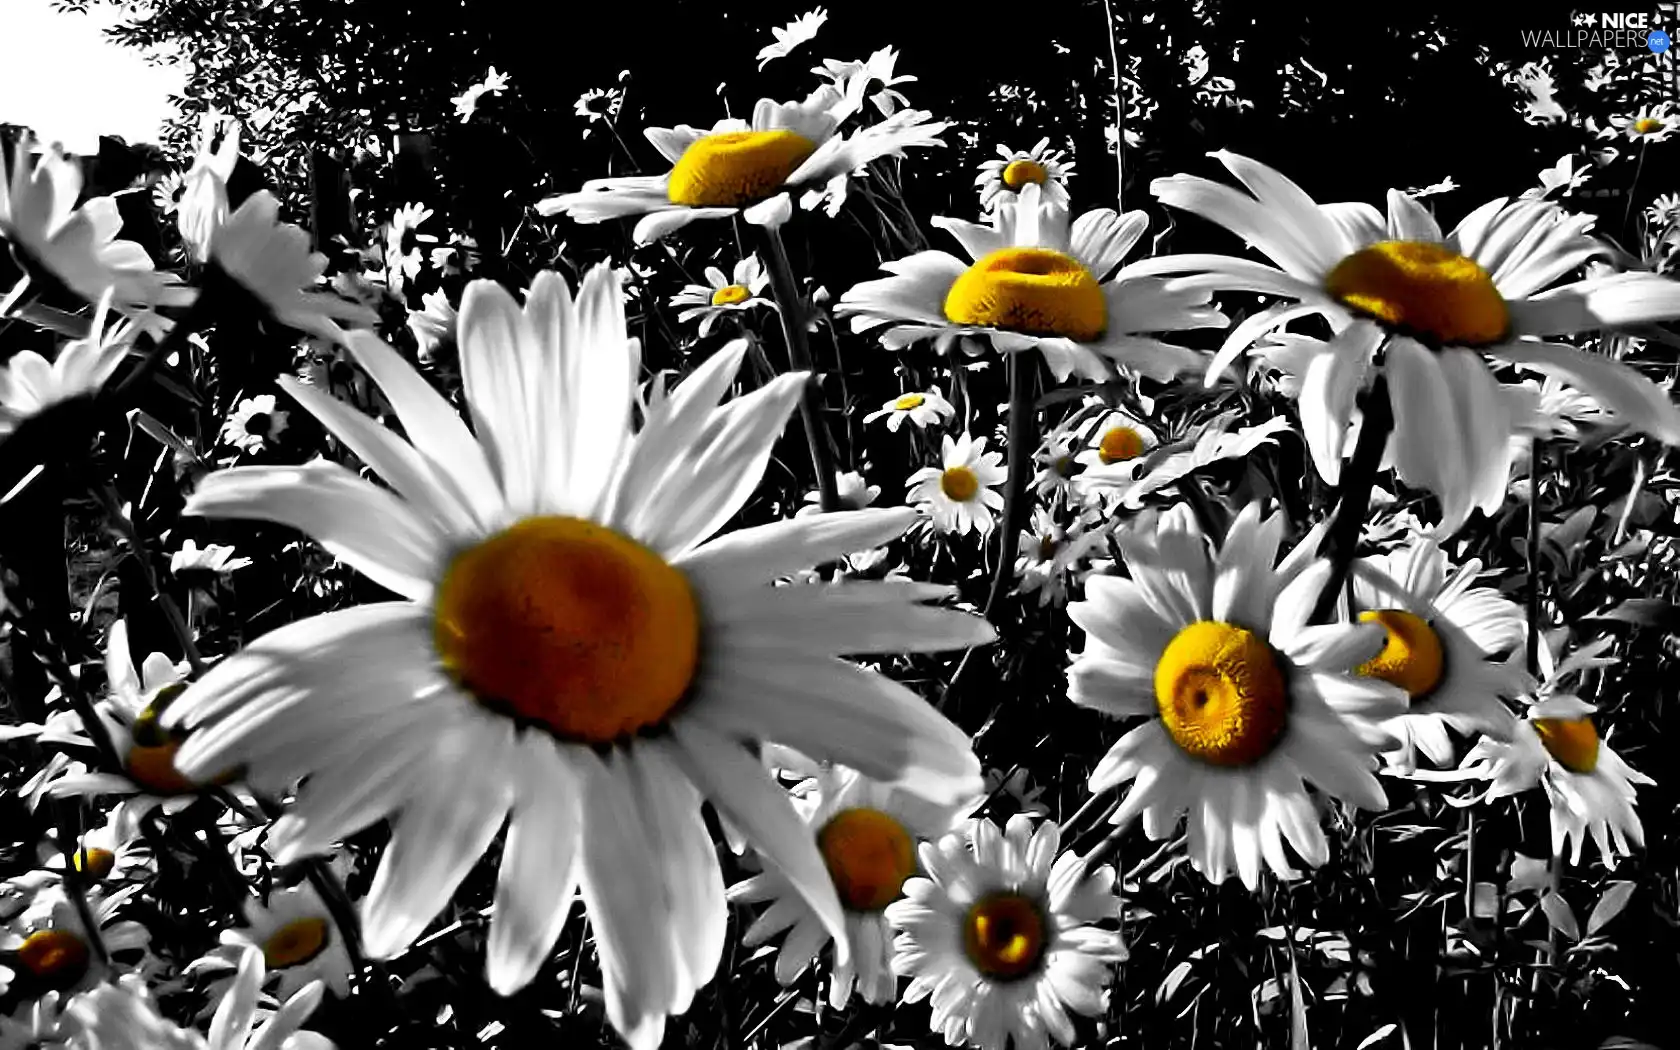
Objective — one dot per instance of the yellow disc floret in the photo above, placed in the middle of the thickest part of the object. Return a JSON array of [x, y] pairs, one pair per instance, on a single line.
[[1119, 444], [296, 942], [1411, 656], [732, 169], [94, 862], [1220, 694], [1425, 289], [565, 623], [731, 295], [869, 855], [1004, 936], [959, 483], [1036, 291], [906, 402], [1647, 126], [1019, 173], [57, 958], [1572, 741]]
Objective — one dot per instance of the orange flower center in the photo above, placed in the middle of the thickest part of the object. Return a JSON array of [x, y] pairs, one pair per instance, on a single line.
[[94, 862], [959, 483], [296, 942], [1119, 444], [1425, 289], [58, 958], [1004, 936], [1572, 741], [869, 855]]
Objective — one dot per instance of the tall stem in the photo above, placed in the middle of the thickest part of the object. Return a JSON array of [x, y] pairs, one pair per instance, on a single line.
[[1533, 557], [171, 612], [792, 311], [1355, 500], [1119, 110], [1023, 366]]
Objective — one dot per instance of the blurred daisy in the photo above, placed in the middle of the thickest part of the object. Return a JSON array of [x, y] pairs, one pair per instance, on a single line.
[[854, 492], [1590, 787], [123, 1016], [1116, 439], [1041, 166], [722, 295], [1016, 788], [403, 258], [801, 30], [746, 168], [961, 494], [599, 104], [36, 1023], [867, 834], [111, 854], [214, 559], [50, 949], [271, 261], [1051, 553], [1665, 208], [573, 652], [255, 424], [1246, 703], [1563, 176], [852, 81], [298, 940], [1439, 303], [1444, 647], [29, 384], [1036, 283], [1057, 463], [1647, 124], [433, 325], [1127, 484], [166, 192], [466, 103], [1003, 935], [203, 205], [1551, 409], [922, 407]]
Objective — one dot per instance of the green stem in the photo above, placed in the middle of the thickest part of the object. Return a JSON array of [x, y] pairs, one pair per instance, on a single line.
[[792, 313], [1357, 479], [1023, 368]]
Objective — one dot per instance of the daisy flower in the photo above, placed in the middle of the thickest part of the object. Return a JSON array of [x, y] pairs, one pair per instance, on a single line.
[[1057, 465], [1439, 303], [853, 79], [1117, 439], [961, 494], [1014, 787], [746, 168], [867, 834], [466, 103], [29, 384], [1647, 124], [801, 30], [854, 492], [921, 407], [1127, 484], [255, 424], [298, 940], [112, 853], [720, 295], [403, 266], [51, 950], [1445, 639], [271, 261], [203, 204], [571, 651], [1245, 702], [1003, 934], [433, 325], [1041, 166], [599, 104], [1036, 282], [1051, 553], [214, 559]]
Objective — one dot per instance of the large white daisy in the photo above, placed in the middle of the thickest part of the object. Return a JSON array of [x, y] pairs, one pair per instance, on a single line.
[[1003, 935], [961, 493], [867, 834], [1246, 703], [1439, 302], [1037, 282], [570, 650], [746, 168]]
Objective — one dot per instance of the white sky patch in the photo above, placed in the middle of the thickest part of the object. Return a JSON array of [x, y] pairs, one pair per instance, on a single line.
[[63, 78]]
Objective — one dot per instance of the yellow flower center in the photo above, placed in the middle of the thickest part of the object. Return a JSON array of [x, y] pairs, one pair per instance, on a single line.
[[1047, 547], [562, 622], [906, 402], [1411, 656], [1119, 444], [1018, 173], [146, 729], [153, 768], [296, 942], [58, 958], [94, 862], [1032, 290], [869, 855], [1647, 125], [1065, 466], [959, 483], [732, 169], [1220, 694], [1572, 741], [731, 294], [1425, 289], [1003, 936]]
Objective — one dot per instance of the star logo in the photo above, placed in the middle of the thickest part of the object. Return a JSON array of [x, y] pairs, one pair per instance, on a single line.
[[1589, 19]]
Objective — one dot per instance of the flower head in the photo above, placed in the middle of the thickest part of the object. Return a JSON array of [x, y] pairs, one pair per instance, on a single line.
[[1003, 179], [962, 493]]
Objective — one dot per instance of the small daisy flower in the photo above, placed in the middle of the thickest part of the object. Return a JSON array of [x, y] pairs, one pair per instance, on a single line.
[[747, 168], [1562, 178], [854, 492], [1050, 554], [1048, 169], [853, 80], [29, 384], [921, 407], [51, 946], [1127, 485], [1117, 441], [1057, 461], [867, 834], [214, 559], [403, 264], [1244, 701], [1444, 647], [961, 494], [801, 30], [110, 855], [1004, 935], [599, 104], [272, 262], [433, 325], [466, 103], [1647, 124], [298, 940], [721, 295], [203, 204], [166, 192], [1037, 282], [255, 424]]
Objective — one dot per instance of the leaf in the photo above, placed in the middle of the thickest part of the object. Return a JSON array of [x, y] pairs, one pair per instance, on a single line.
[[1297, 1010], [1558, 914], [1610, 905], [1644, 612], [1378, 1036], [1169, 987]]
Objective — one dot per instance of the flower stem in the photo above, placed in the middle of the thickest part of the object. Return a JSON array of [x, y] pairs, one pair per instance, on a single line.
[[1355, 500], [792, 313], [109, 499], [1533, 556], [1119, 110], [69, 844], [1023, 368]]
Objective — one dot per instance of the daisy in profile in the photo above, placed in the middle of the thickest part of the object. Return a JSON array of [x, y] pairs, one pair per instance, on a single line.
[[1445, 647], [853, 80], [203, 204], [921, 407], [30, 384], [571, 649], [272, 262], [1006, 937], [746, 168], [1116, 439], [466, 103], [434, 324], [255, 424], [1245, 703], [962, 493], [49, 947], [1048, 169], [111, 854], [1036, 282], [867, 834], [1125, 483], [298, 940], [1644, 125], [720, 296], [801, 30], [214, 559], [855, 493], [1434, 308]]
